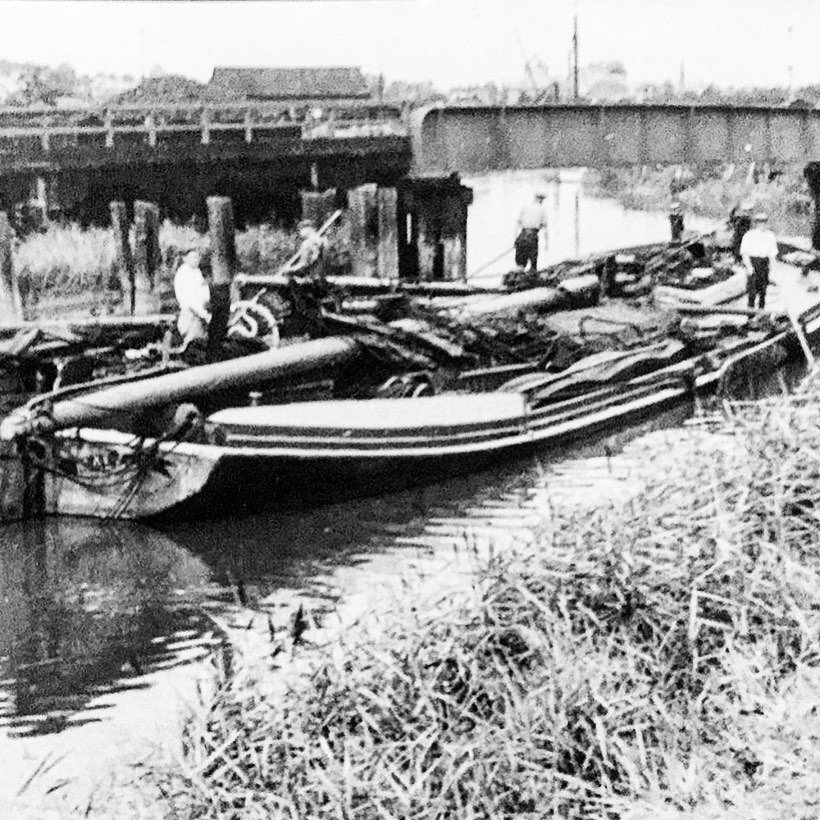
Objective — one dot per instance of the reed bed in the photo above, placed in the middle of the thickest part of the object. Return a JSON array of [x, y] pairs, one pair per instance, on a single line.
[[657, 659], [76, 269]]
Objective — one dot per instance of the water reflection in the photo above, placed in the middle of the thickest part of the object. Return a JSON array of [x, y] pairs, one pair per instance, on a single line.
[[578, 224], [89, 608]]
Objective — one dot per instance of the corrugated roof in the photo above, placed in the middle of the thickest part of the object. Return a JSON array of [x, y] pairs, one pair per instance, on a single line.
[[291, 83]]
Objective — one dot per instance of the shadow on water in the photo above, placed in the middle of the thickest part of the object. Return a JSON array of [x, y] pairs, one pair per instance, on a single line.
[[89, 609], [92, 608]]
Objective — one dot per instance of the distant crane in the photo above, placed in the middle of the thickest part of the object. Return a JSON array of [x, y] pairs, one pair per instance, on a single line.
[[539, 94]]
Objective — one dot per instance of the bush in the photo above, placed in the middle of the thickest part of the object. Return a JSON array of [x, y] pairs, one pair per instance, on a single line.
[[618, 661]]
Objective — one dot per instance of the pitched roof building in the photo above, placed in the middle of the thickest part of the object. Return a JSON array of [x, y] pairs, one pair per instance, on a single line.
[[291, 84]]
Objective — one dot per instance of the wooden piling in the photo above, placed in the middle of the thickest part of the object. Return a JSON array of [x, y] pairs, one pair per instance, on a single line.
[[125, 259], [223, 266], [388, 238], [363, 214], [812, 174], [10, 303], [318, 205], [147, 257]]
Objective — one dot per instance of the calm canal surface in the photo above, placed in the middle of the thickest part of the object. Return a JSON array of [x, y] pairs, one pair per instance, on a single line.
[[104, 627]]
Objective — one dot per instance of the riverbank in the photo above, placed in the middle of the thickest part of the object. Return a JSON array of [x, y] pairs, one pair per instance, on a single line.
[[710, 194], [655, 658]]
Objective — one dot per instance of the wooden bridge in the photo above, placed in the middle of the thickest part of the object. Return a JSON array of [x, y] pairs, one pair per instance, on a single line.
[[176, 154], [61, 139], [261, 154]]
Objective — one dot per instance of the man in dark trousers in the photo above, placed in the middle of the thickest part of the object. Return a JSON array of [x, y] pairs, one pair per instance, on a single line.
[[759, 252], [676, 221], [531, 221]]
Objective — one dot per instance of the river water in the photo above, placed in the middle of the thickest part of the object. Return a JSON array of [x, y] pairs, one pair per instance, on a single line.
[[106, 629]]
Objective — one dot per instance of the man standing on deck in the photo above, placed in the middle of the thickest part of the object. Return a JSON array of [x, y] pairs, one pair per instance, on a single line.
[[758, 251], [676, 221], [740, 220], [193, 296], [531, 221], [311, 258]]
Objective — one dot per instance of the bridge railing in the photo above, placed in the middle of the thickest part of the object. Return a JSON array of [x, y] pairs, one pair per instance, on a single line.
[[39, 133]]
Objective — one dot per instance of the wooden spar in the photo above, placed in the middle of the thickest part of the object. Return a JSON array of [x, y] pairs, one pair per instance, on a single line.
[[717, 310], [125, 259], [511, 303], [104, 322], [95, 408], [372, 286]]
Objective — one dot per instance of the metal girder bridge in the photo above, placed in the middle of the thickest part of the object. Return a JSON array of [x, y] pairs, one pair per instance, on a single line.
[[477, 139]]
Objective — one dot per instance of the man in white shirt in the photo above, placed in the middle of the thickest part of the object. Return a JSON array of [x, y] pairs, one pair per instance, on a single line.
[[758, 249], [531, 221], [193, 296]]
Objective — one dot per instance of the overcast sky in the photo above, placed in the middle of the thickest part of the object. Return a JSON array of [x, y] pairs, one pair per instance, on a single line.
[[729, 42]]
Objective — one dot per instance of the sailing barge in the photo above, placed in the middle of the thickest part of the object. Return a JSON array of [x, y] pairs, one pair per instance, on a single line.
[[222, 450]]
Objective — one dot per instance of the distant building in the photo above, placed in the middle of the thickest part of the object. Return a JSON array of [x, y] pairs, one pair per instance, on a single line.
[[291, 85]]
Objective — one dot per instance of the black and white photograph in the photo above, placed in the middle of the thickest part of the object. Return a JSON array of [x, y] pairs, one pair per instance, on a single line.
[[409, 410]]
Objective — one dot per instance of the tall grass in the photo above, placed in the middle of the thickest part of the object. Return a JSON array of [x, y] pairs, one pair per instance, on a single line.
[[786, 198], [70, 265], [634, 661]]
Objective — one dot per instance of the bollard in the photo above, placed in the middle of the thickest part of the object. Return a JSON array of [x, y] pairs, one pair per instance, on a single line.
[[147, 257], [11, 307], [223, 266], [125, 259]]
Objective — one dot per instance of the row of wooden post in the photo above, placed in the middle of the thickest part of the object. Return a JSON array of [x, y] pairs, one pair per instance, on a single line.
[[141, 269], [373, 248]]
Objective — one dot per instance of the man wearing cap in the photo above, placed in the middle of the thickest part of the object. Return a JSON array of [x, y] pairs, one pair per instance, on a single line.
[[758, 251], [311, 258], [531, 221], [676, 221], [193, 296]]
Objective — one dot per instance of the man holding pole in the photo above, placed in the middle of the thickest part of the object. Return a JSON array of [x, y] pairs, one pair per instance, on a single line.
[[311, 258], [531, 221], [758, 249]]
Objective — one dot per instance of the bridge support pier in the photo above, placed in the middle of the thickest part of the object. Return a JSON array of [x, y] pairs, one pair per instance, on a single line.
[[432, 215], [812, 175]]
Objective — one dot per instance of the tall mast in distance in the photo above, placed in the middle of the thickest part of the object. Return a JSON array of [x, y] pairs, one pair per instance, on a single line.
[[575, 57]]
